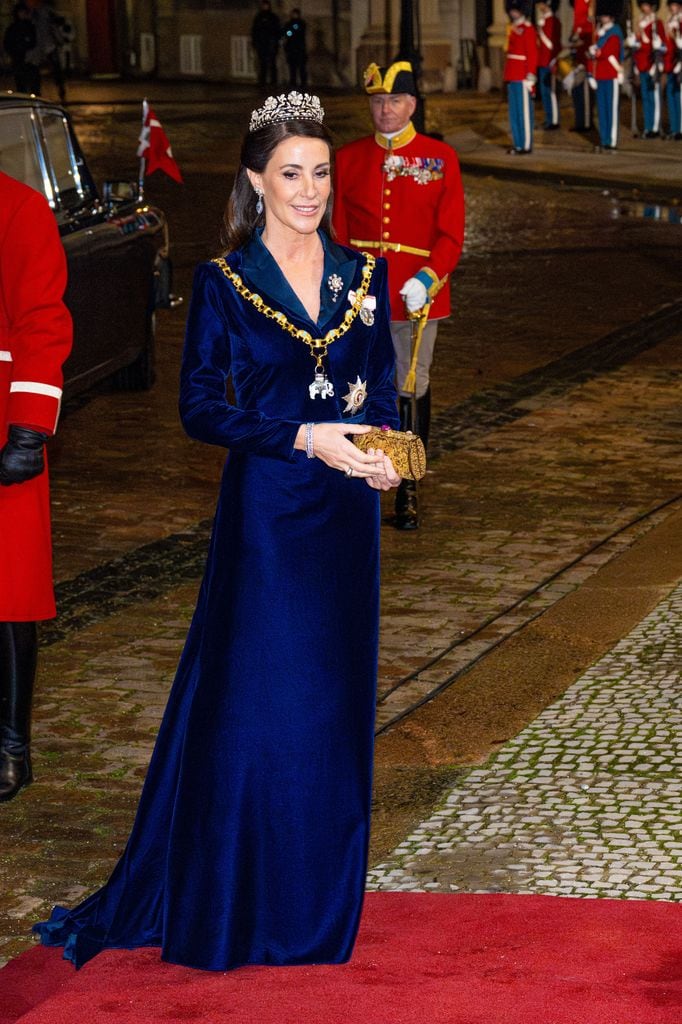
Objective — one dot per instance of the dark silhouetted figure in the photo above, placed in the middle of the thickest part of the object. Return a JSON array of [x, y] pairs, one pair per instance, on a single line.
[[20, 39], [48, 43], [295, 49], [265, 35]]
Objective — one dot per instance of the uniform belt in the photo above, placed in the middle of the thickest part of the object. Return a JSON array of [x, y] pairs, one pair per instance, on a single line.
[[515, 56], [392, 246]]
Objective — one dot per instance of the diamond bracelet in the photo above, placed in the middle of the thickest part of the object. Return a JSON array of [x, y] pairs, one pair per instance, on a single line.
[[309, 449]]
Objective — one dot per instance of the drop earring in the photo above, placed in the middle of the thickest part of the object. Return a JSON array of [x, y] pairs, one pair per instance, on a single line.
[[259, 204]]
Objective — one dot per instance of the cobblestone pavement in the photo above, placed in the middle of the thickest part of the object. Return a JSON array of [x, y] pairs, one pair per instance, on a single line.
[[585, 801], [506, 526], [556, 449]]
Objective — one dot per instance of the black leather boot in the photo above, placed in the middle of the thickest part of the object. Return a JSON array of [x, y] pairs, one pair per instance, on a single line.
[[424, 417], [406, 506], [18, 653]]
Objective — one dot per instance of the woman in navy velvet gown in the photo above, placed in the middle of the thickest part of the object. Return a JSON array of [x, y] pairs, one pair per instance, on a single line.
[[250, 841]]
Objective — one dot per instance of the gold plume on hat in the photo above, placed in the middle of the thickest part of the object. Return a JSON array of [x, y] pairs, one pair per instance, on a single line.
[[375, 83]]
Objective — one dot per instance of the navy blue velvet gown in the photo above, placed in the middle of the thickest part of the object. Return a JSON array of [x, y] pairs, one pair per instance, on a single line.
[[250, 841]]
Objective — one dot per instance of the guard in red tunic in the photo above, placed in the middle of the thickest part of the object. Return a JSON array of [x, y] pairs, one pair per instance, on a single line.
[[35, 339], [520, 75], [607, 60], [576, 82], [549, 47], [648, 47], [673, 67], [399, 194]]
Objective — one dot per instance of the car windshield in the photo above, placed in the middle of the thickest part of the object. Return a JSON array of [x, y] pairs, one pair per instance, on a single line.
[[19, 153], [65, 173]]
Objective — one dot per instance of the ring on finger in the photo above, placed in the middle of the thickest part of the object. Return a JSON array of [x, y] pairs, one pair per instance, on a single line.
[[348, 472]]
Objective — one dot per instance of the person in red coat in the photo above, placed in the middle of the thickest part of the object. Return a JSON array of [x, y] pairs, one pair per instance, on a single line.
[[35, 339], [648, 46], [577, 81], [673, 68], [398, 194], [549, 46], [520, 75], [607, 61]]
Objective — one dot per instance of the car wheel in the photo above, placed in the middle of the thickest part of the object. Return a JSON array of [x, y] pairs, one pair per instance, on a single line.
[[141, 373]]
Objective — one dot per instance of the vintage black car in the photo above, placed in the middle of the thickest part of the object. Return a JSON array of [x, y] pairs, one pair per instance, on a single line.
[[116, 245]]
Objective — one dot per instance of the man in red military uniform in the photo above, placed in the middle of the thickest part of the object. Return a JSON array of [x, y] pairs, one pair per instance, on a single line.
[[607, 58], [520, 75], [35, 339], [648, 47], [576, 82], [399, 194], [673, 68], [549, 47]]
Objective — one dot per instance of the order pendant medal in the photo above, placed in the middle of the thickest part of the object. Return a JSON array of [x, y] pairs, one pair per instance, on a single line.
[[321, 387], [360, 303]]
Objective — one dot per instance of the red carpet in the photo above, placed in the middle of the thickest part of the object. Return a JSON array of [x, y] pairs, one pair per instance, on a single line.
[[420, 959]]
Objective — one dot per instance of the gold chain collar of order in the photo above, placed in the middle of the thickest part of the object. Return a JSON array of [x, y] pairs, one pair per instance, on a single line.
[[318, 346]]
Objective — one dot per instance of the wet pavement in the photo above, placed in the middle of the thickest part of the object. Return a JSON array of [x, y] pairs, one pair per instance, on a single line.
[[586, 801], [555, 460]]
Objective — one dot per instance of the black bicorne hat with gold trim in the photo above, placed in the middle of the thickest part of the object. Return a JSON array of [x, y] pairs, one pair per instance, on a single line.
[[398, 78]]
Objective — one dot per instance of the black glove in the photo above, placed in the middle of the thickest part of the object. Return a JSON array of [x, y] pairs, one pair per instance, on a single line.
[[22, 457]]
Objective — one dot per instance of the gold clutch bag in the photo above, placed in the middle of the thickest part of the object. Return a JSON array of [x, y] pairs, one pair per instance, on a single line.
[[405, 449]]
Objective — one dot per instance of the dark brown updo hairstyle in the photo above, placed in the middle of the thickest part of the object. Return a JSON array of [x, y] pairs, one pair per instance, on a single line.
[[240, 219]]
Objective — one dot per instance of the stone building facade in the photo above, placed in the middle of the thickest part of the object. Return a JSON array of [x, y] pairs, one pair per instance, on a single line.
[[209, 40]]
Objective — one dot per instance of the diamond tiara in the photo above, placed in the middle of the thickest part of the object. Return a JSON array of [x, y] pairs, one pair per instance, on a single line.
[[294, 106]]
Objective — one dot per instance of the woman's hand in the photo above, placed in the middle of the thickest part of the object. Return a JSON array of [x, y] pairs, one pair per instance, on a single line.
[[388, 479], [331, 445]]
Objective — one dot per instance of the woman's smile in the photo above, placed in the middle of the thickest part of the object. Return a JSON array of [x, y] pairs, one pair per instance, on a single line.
[[307, 209]]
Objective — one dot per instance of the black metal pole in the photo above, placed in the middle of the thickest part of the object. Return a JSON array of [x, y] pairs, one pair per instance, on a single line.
[[410, 49], [335, 34]]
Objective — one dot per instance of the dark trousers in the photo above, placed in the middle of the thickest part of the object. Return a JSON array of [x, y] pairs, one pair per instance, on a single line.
[[583, 101], [27, 78], [18, 651], [298, 71], [57, 71], [267, 67]]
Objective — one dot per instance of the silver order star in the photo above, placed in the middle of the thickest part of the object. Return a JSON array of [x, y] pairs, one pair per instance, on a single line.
[[356, 395]]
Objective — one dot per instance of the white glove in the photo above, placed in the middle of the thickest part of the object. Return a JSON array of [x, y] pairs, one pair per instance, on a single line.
[[592, 82], [631, 40], [592, 51], [677, 68], [414, 294]]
